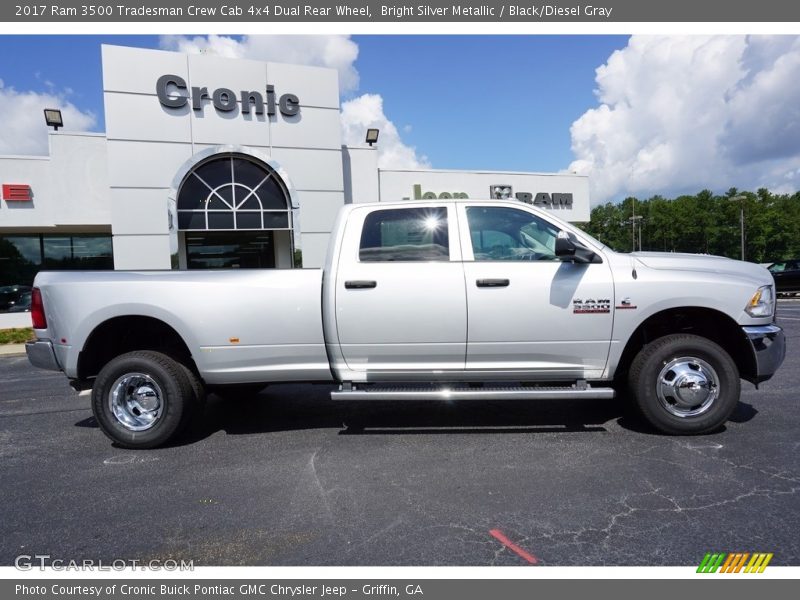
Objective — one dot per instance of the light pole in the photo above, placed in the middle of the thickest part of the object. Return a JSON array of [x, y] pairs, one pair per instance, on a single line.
[[637, 220], [741, 200]]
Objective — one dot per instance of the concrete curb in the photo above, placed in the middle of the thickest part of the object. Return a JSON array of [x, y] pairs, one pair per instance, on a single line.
[[12, 350]]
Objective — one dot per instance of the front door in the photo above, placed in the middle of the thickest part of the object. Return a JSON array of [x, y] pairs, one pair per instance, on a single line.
[[400, 298], [528, 311]]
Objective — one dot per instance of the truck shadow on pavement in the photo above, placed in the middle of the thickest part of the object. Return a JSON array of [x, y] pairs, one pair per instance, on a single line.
[[301, 407], [304, 407], [287, 408]]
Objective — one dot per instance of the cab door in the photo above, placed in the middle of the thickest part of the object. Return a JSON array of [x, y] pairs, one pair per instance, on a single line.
[[400, 298], [528, 312]]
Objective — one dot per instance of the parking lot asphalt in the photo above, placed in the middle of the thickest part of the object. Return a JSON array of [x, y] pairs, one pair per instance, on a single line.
[[291, 478]]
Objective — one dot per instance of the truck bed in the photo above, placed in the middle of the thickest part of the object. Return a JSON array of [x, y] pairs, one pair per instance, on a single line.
[[249, 325]]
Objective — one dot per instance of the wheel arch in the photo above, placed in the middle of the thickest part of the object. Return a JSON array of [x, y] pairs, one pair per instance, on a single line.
[[706, 322], [121, 334]]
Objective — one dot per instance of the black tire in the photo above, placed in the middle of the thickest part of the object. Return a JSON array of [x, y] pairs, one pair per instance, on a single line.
[[151, 376], [198, 388], [710, 376]]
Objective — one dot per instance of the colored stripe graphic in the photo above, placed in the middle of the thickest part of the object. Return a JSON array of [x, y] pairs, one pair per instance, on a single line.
[[752, 562], [711, 562], [733, 562], [704, 562], [741, 562], [726, 568], [766, 562], [758, 563], [715, 562]]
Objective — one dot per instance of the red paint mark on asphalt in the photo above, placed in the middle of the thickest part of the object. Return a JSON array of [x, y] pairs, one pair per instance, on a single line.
[[500, 537]]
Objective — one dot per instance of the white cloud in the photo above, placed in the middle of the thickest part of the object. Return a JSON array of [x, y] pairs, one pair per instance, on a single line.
[[678, 114], [334, 51], [366, 111], [22, 119]]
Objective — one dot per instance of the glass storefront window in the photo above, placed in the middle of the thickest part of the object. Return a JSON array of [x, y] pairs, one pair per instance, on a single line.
[[232, 192], [22, 256], [77, 252], [20, 260], [57, 251], [230, 250]]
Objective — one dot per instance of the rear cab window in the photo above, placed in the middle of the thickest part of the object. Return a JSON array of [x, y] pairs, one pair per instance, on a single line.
[[405, 235]]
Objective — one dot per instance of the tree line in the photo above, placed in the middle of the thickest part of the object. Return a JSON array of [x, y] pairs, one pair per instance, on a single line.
[[704, 223]]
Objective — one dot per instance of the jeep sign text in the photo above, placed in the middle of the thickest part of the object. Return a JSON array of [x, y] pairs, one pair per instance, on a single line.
[[420, 195]]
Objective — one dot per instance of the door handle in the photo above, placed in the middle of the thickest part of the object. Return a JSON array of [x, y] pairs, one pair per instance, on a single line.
[[492, 282], [360, 284]]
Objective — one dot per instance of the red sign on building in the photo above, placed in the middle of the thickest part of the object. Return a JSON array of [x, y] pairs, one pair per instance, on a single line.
[[16, 192]]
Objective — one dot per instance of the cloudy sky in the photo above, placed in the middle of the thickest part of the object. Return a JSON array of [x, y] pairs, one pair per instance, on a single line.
[[641, 115]]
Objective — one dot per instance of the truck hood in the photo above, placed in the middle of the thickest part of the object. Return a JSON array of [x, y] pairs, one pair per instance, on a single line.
[[703, 262]]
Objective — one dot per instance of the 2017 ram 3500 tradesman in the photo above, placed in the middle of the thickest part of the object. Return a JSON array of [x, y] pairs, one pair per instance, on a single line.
[[443, 299]]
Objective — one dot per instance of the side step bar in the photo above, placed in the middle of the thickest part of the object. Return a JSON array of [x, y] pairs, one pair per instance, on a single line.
[[347, 392]]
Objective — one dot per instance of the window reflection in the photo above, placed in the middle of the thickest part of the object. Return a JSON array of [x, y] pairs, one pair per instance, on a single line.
[[22, 256], [500, 233], [234, 250], [405, 234]]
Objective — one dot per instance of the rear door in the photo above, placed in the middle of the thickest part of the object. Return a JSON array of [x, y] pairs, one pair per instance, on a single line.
[[400, 297], [528, 311]]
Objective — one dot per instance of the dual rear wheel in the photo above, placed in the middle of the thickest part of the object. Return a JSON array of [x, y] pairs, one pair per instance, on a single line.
[[144, 398]]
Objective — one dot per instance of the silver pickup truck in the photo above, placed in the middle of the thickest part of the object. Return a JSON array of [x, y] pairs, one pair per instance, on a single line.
[[438, 300]]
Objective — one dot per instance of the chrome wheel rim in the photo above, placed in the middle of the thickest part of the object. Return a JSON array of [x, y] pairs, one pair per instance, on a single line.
[[136, 401], [687, 386]]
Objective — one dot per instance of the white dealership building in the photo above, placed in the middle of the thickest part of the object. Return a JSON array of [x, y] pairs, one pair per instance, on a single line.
[[211, 162]]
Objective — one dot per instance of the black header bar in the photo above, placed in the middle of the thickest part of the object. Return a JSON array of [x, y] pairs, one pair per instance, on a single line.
[[320, 11]]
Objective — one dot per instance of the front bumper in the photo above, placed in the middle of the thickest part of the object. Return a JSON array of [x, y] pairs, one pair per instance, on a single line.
[[40, 354], [769, 349]]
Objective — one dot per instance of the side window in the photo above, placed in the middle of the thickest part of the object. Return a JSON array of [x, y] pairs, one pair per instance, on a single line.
[[405, 234], [500, 233]]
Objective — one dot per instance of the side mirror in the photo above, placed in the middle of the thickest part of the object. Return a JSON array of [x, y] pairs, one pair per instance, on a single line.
[[569, 249], [565, 247]]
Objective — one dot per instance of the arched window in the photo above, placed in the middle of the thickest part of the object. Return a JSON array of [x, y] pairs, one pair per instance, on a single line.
[[233, 192]]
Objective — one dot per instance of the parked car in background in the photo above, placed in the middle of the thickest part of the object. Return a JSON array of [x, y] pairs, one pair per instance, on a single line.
[[786, 274], [10, 296], [22, 304]]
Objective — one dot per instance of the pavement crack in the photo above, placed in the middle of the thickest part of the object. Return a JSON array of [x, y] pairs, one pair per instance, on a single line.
[[771, 474]]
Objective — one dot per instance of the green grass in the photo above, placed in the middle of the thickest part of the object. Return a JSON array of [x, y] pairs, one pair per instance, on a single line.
[[16, 336]]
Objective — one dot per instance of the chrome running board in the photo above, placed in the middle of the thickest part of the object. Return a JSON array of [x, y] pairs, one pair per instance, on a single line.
[[459, 392]]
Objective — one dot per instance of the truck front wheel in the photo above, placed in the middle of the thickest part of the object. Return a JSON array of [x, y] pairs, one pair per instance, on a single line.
[[684, 384], [142, 399]]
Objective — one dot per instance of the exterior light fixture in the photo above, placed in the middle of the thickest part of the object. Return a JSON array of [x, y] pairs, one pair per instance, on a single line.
[[52, 116], [372, 136]]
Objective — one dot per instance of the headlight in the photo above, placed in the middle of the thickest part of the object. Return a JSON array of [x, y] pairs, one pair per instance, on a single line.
[[762, 304]]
